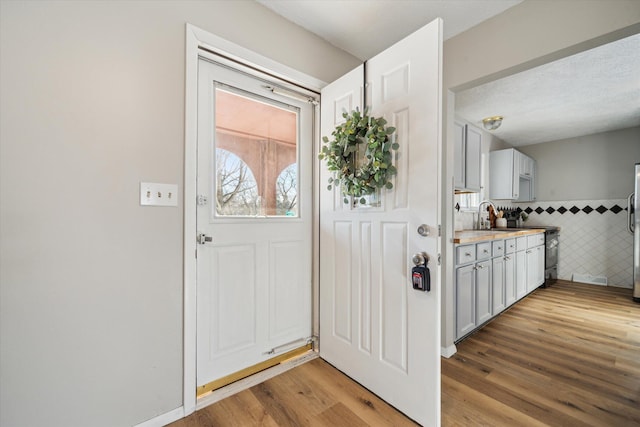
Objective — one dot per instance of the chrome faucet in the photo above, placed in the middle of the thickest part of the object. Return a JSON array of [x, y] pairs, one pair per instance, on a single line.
[[488, 202]]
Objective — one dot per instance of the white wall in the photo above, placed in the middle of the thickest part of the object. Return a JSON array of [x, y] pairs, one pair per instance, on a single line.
[[532, 33], [90, 282], [590, 167]]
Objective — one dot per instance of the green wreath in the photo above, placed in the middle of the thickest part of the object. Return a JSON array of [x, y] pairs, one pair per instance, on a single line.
[[359, 174]]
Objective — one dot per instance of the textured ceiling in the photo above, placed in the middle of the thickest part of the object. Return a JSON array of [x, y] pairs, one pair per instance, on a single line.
[[590, 92], [365, 28]]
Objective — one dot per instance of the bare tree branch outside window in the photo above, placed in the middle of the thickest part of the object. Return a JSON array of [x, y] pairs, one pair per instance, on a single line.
[[287, 191], [236, 187]]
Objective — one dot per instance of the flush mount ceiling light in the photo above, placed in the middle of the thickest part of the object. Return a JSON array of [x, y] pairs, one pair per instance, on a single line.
[[492, 123]]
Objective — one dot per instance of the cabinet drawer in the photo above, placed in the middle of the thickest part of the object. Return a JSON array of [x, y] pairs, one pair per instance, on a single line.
[[465, 254], [510, 246], [521, 243], [498, 248], [483, 250], [535, 240]]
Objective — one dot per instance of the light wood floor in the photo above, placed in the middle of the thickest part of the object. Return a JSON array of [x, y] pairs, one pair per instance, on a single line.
[[568, 355], [312, 394]]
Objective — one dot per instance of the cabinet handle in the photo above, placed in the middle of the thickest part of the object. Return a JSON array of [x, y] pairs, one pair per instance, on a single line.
[[479, 267], [499, 248], [485, 251], [507, 258], [467, 254], [528, 252]]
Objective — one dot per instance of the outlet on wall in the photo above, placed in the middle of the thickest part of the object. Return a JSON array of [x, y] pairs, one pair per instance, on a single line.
[[154, 194]]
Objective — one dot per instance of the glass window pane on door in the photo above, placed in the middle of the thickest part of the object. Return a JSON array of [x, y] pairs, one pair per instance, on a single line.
[[256, 156]]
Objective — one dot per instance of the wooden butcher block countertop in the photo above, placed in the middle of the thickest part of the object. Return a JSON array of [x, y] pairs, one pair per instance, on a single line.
[[471, 236]]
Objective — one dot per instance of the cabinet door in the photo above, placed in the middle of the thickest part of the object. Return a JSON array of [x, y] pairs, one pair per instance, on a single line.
[[532, 269], [540, 265], [521, 274], [473, 158], [483, 291], [465, 300], [503, 166], [498, 285], [459, 156], [532, 189], [509, 279]]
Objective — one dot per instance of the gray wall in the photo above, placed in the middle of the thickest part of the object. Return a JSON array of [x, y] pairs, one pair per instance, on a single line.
[[592, 167], [90, 282], [531, 33]]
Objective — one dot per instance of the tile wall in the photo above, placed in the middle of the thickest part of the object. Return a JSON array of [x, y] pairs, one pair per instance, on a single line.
[[593, 238]]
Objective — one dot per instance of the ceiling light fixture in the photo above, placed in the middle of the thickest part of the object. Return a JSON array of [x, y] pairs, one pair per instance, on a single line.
[[492, 123]]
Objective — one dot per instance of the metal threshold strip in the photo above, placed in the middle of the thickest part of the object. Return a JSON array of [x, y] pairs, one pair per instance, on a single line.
[[236, 376]]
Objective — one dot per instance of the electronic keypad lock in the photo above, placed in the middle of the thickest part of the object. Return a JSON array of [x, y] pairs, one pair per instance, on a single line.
[[420, 275]]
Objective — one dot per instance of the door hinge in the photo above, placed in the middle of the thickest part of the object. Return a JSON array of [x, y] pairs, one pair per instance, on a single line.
[[438, 259], [201, 200], [439, 230]]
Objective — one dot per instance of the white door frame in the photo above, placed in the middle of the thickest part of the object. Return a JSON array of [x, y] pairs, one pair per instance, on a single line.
[[197, 41]]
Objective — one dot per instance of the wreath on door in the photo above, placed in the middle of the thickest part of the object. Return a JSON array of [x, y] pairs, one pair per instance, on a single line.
[[359, 172]]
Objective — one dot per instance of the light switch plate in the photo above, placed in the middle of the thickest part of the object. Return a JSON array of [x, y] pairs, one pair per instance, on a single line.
[[154, 194]]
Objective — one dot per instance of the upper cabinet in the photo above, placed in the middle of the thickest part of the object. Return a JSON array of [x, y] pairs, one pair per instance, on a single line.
[[511, 176], [467, 154]]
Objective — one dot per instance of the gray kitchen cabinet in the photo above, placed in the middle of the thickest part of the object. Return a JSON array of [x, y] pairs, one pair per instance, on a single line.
[[492, 275], [509, 279], [465, 300], [483, 292], [498, 284], [472, 287], [509, 272], [511, 175], [498, 277], [467, 157], [521, 274], [535, 261]]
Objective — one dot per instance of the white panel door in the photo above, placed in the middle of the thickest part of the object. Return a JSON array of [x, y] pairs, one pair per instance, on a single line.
[[254, 187], [373, 325]]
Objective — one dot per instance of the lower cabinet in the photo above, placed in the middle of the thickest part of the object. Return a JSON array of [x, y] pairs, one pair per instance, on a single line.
[[535, 262], [498, 271], [473, 296], [521, 274], [465, 300], [509, 279], [491, 276], [483, 292]]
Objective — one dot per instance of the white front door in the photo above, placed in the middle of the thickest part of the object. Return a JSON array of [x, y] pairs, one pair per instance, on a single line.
[[254, 219], [373, 325]]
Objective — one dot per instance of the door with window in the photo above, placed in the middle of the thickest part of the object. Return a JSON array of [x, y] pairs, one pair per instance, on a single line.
[[253, 219]]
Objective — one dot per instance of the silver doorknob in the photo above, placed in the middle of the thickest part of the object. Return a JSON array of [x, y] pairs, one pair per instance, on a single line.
[[423, 230], [420, 258]]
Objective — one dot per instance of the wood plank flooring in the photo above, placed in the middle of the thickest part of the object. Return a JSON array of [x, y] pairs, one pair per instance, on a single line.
[[568, 355], [314, 394]]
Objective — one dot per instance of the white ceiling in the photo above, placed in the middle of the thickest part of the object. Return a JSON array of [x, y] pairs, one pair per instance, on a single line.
[[591, 92], [365, 28]]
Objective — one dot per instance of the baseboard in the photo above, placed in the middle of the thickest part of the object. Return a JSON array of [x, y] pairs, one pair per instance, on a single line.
[[449, 351], [164, 419], [620, 286], [238, 386]]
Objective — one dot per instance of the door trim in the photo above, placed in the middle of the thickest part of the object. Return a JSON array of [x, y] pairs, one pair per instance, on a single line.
[[198, 43]]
